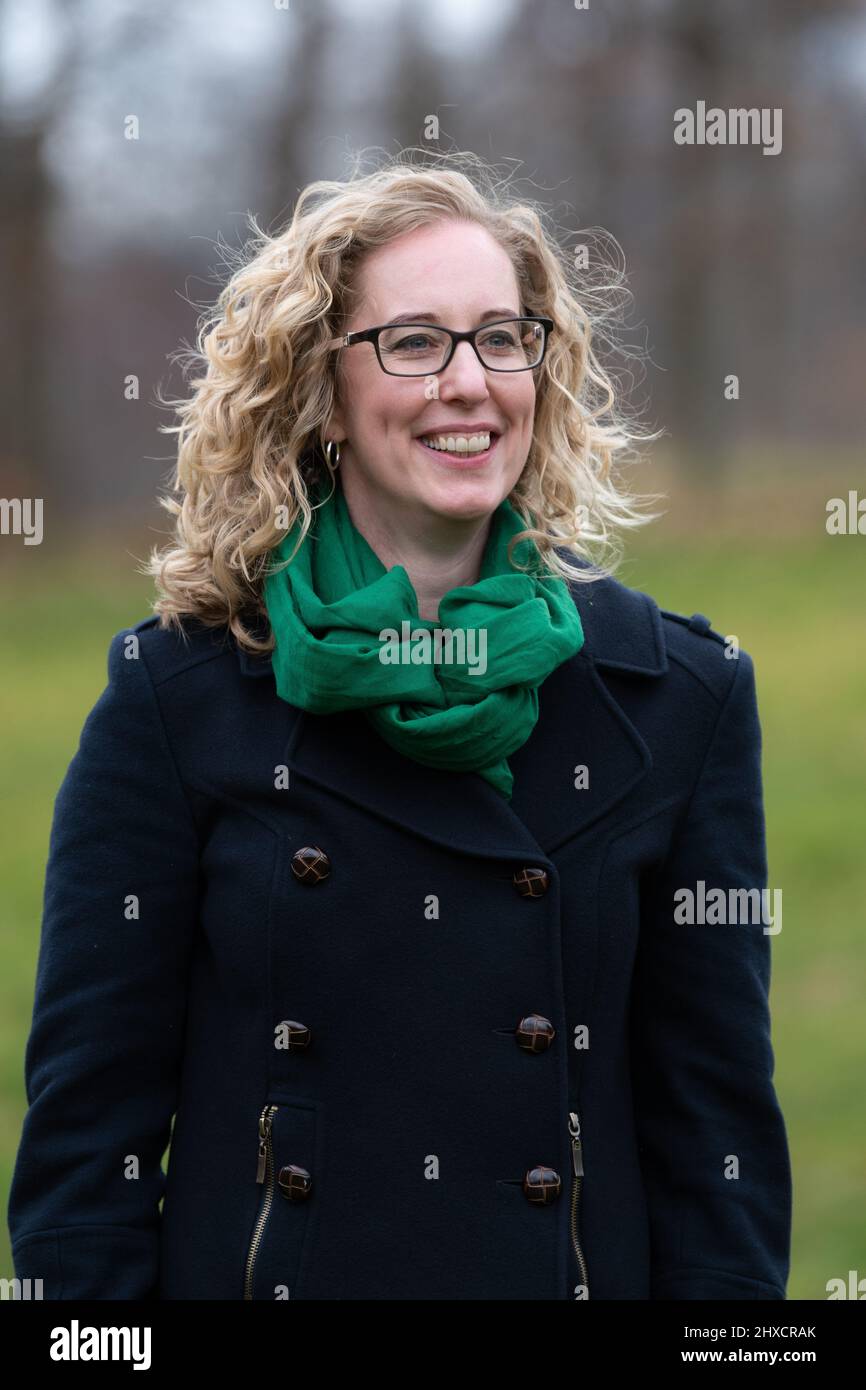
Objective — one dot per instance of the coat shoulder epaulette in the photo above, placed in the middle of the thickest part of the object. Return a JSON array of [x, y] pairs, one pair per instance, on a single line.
[[696, 623]]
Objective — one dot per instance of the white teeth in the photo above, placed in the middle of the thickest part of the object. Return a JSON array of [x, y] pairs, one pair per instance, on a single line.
[[458, 443]]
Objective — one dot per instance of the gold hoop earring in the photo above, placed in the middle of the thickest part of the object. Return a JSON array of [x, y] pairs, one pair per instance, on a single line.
[[332, 462]]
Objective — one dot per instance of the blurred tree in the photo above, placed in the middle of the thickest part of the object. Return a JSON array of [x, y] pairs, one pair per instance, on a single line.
[[29, 461], [282, 134], [699, 355]]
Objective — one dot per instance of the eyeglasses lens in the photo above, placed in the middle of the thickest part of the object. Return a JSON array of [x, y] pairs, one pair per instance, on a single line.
[[416, 350]]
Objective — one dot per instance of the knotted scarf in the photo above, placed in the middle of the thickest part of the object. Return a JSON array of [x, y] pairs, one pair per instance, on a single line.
[[348, 635]]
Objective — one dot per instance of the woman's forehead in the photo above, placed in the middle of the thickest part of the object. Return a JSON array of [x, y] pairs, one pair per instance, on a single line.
[[432, 273]]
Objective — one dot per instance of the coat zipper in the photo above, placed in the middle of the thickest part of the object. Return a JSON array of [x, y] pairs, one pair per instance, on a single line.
[[265, 1174], [577, 1161]]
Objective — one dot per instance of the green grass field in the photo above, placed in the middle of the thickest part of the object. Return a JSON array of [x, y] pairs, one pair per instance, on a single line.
[[797, 604]]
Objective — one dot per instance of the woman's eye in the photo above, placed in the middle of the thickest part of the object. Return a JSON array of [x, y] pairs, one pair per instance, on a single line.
[[505, 340], [415, 342]]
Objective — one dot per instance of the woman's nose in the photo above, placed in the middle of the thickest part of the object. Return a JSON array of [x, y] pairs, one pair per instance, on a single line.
[[466, 371]]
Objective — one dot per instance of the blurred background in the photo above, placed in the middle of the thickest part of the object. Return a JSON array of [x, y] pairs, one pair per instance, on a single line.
[[133, 142]]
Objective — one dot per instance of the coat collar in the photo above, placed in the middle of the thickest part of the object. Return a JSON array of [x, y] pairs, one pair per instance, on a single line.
[[580, 723]]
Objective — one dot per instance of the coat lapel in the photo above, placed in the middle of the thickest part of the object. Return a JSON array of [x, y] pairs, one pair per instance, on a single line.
[[580, 724]]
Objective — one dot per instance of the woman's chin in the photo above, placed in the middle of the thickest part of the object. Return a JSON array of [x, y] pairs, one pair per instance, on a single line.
[[468, 502], [466, 494]]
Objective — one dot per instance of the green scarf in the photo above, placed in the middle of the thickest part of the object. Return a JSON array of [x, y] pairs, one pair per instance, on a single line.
[[329, 610]]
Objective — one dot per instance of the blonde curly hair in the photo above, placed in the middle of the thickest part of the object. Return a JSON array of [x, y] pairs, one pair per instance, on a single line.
[[252, 433]]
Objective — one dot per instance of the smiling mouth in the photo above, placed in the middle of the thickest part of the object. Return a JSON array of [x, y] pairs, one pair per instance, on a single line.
[[460, 447]]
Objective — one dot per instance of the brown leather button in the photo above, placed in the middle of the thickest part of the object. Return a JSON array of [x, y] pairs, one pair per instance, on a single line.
[[310, 864], [295, 1183], [531, 882], [541, 1185], [298, 1036], [534, 1033]]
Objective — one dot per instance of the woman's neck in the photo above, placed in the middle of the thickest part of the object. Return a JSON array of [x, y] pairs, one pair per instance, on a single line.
[[438, 553]]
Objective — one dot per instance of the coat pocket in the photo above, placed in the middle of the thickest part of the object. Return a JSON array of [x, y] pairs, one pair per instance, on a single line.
[[285, 1179]]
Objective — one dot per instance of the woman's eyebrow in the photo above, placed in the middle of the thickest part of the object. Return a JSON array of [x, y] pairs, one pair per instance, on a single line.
[[429, 316]]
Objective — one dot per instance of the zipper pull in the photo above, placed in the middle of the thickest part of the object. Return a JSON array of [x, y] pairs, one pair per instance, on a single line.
[[576, 1147], [264, 1136]]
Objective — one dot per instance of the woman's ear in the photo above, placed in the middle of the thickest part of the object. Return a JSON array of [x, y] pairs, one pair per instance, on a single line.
[[334, 427]]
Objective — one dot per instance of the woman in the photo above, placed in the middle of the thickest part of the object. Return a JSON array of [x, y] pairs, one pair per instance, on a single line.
[[369, 865]]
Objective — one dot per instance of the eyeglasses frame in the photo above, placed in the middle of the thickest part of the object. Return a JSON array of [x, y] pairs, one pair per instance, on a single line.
[[371, 335]]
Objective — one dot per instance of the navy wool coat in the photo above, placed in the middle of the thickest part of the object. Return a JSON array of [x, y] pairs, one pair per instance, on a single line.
[[418, 1042]]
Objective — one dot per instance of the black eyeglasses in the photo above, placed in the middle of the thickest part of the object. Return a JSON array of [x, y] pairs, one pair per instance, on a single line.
[[425, 349]]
